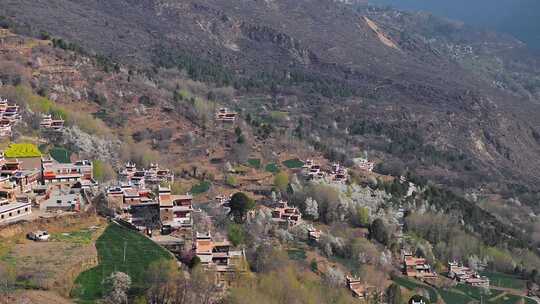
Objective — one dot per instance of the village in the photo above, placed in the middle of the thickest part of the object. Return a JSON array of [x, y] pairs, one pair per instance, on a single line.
[[181, 181], [36, 186], [319, 212]]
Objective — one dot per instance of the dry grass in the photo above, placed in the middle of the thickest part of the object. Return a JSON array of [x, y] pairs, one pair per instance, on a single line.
[[52, 265], [34, 296]]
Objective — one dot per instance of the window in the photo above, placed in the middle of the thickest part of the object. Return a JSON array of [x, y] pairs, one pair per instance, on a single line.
[[26, 209], [2, 216], [19, 211]]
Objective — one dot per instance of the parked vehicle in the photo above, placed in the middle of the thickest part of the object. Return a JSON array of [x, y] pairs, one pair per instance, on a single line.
[[166, 229], [38, 236]]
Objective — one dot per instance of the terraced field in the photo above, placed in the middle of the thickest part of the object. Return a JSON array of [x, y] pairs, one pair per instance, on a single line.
[[119, 249]]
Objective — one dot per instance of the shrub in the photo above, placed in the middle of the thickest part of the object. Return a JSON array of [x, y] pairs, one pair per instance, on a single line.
[[231, 180], [328, 200], [362, 217], [195, 261], [202, 187], [86, 123], [43, 35], [240, 204], [379, 232], [102, 171], [236, 234], [314, 266], [178, 188], [241, 139], [281, 181], [139, 153]]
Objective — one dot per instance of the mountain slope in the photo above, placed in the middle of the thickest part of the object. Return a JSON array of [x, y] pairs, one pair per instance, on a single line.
[[352, 90]]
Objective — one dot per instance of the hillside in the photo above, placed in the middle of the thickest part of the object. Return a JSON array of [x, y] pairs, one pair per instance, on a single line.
[[322, 59], [369, 147]]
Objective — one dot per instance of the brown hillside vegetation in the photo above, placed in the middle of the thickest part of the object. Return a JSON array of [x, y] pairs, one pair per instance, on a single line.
[[416, 108]]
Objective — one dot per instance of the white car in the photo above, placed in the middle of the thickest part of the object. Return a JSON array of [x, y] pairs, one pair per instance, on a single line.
[[41, 236]]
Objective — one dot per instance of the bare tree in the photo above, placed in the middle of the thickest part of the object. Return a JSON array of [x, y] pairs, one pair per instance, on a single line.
[[7, 278], [169, 285], [312, 208], [203, 286], [120, 285]]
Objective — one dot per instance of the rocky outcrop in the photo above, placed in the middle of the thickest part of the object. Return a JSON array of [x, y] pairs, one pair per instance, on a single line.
[[265, 34]]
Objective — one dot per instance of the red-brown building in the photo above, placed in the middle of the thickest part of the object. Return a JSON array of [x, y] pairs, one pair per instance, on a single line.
[[417, 267], [175, 210], [286, 216], [220, 257], [224, 115]]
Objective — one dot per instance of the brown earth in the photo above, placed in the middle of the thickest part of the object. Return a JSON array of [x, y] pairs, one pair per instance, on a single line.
[[34, 297], [52, 266]]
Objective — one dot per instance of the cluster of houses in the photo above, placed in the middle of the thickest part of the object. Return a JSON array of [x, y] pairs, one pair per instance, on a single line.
[[283, 215], [145, 200], [313, 170], [136, 198], [419, 268], [338, 173], [9, 116], [147, 203], [48, 123], [43, 184], [141, 178], [364, 164], [466, 275]]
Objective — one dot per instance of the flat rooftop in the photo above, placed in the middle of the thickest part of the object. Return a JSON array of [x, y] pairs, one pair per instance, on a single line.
[[9, 207]]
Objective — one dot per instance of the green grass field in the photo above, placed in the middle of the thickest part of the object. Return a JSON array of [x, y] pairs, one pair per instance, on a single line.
[[254, 163], [22, 151], [463, 294], [297, 254], [411, 285], [202, 187], [83, 236], [454, 297], [293, 163], [505, 280], [61, 155], [476, 293], [510, 299], [139, 253], [272, 168]]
